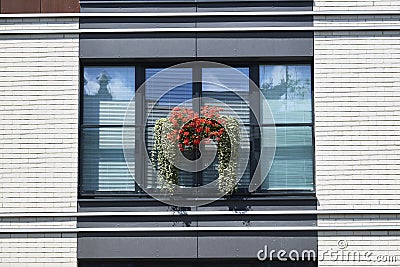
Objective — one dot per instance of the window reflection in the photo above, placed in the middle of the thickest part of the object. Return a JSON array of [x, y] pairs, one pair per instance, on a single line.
[[172, 87], [287, 89], [107, 92], [225, 85], [114, 83]]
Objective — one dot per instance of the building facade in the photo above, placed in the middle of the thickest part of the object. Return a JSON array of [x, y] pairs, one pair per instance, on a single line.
[[72, 194]]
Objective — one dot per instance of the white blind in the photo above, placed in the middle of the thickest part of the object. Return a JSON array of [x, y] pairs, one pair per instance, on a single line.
[[107, 93], [292, 167], [287, 89]]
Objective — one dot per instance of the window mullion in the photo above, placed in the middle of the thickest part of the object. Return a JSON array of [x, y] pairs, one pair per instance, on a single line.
[[196, 102], [140, 112]]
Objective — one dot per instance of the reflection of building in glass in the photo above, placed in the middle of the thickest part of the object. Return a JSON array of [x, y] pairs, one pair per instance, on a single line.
[[104, 165], [103, 80]]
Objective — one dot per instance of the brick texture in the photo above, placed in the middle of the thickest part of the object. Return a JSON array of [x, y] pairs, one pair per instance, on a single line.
[[351, 5], [39, 83], [357, 132], [357, 119], [367, 248], [39, 6]]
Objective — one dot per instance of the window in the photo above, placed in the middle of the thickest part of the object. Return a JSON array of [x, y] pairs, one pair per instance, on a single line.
[[106, 95], [287, 89], [107, 91], [159, 105]]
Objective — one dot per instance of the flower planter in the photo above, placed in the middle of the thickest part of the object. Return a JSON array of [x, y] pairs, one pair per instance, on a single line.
[[184, 130], [191, 154]]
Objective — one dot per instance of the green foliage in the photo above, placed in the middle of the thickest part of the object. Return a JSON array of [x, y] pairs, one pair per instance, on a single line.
[[165, 151]]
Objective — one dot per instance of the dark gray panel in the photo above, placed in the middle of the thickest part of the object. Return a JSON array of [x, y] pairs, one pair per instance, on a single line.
[[139, 204], [244, 245], [247, 244], [191, 22], [202, 220], [239, 204], [213, 45], [255, 44], [254, 21], [138, 246], [259, 6], [134, 23], [191, 5], [138, 8], [257, 221], [192, 221], [264, 204], [137, 46], [139, 221]]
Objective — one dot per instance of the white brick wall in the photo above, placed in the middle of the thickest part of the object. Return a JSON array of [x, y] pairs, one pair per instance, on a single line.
[[325, 5], [366, 248], [39, 83], [357, 131], [357, 20], [357, 115]]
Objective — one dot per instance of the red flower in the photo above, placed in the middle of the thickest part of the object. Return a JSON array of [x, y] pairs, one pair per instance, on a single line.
[[195, 128]]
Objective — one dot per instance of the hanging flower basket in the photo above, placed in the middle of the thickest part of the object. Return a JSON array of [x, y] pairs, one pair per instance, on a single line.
[[183, 131]]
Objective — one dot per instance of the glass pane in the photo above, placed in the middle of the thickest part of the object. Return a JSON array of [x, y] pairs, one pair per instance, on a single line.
[[211, 172], [231, 88], [163, 94], [185, 178], [287, 89], [292, 167], [170, 88], [107, 92], [103, 162]]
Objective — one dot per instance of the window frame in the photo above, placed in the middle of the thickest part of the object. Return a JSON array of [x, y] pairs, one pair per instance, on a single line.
[[297, 124], [140, 76]]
